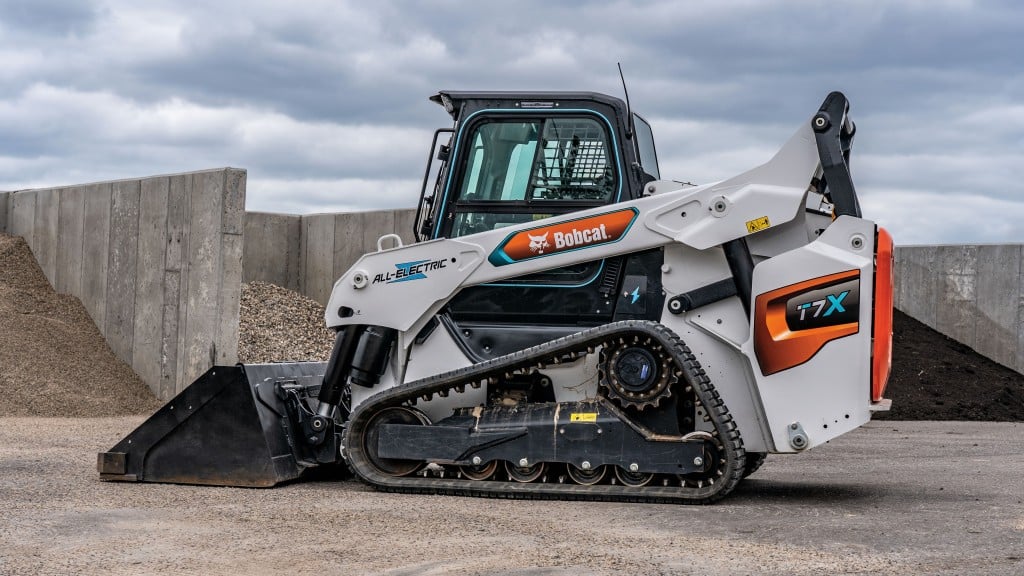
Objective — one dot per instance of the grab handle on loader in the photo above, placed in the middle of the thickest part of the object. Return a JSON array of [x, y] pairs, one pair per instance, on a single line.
[[396, 241]]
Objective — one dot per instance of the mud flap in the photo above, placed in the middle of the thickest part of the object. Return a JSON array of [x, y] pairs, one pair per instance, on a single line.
[[231, 427]]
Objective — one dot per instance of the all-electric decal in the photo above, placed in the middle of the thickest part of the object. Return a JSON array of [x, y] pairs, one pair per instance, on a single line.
[[406, 271], [563, 237]]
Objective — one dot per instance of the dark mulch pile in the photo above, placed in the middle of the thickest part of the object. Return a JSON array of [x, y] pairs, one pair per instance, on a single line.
[[53, 360], [937, 378]]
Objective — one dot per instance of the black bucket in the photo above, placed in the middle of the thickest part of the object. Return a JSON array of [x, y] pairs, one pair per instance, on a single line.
[[231, 427]]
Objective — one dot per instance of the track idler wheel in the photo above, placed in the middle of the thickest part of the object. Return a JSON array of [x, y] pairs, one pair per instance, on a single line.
[[714, 465], [524, 474], [393, 415], [586, 477], [637, 372], [481, 471], [633, 479]]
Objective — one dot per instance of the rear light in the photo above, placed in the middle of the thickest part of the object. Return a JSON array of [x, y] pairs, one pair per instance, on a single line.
[[881, 352]]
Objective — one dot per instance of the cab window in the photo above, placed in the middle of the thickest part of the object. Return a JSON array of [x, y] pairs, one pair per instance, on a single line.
[[516, 170], [645, 147]]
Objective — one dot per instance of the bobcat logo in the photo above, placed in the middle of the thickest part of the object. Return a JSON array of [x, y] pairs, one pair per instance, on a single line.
[[538, 243]]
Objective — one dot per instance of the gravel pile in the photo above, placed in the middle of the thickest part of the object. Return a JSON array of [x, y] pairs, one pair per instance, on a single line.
[[53, 360], [280, 325]]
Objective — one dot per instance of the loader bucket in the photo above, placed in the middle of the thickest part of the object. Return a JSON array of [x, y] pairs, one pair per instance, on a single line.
[[228, 428]]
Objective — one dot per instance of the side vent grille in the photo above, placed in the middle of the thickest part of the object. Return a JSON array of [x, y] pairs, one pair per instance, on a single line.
[[610, 279]]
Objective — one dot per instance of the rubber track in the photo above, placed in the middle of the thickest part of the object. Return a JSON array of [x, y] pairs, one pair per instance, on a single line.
[[754, 462], [692, 374]]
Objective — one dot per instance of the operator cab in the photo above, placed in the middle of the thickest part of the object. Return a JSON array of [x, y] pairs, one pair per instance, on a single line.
[[515, 157]]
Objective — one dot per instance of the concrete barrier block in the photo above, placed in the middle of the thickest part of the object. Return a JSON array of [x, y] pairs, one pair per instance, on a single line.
[[121, 267], [1018, 364], [229, 299], [179, 214], [69, 242], [896, 277], [375, 225], [179, 201], [957, 302], [232, 252], [272, 248], [4, 201], [302, 256], [95, 250], [292, 243], [23, 216], [348, 242], [169, 337], [404, 220], [917, 283], [45, 230], [147, 338], [319, 258], [203, 283], [998, 295], [233, 211]]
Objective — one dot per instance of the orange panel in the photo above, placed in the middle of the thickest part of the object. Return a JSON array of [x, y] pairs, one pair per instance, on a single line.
[[779, 348], [564, 236], [881, 353]]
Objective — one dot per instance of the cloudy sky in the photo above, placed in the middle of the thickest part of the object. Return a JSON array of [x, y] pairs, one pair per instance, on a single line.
[[325, 102]]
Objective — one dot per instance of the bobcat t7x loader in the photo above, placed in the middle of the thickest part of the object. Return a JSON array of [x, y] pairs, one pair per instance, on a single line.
[[570, 325]]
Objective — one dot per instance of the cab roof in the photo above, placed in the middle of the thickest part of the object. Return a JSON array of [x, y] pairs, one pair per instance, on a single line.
[[456, 98]]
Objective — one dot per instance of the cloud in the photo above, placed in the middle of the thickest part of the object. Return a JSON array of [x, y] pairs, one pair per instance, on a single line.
[[295, 196], [113, 135], [327, 99], [924, 218]]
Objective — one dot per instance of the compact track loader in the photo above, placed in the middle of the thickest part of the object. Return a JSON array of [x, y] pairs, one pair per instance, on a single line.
[[570, 325]]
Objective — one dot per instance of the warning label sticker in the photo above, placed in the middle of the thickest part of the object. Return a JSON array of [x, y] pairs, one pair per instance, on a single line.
[[758, 224], [583, 417]]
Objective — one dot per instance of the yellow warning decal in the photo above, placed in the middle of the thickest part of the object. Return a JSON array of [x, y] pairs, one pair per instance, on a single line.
[[758, 224], [583, 417]]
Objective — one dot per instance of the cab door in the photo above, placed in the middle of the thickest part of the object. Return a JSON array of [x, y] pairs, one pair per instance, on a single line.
[[520, 168]]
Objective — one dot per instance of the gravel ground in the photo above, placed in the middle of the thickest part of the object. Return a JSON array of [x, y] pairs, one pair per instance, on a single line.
[[890, 498]]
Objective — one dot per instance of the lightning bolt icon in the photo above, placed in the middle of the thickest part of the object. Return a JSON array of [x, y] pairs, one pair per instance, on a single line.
[[635, 294]]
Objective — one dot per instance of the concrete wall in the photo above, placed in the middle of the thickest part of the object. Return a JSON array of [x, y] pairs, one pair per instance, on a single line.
[[157, 263], [308, 253], [4, 199], [971, 293], [271, 251]]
